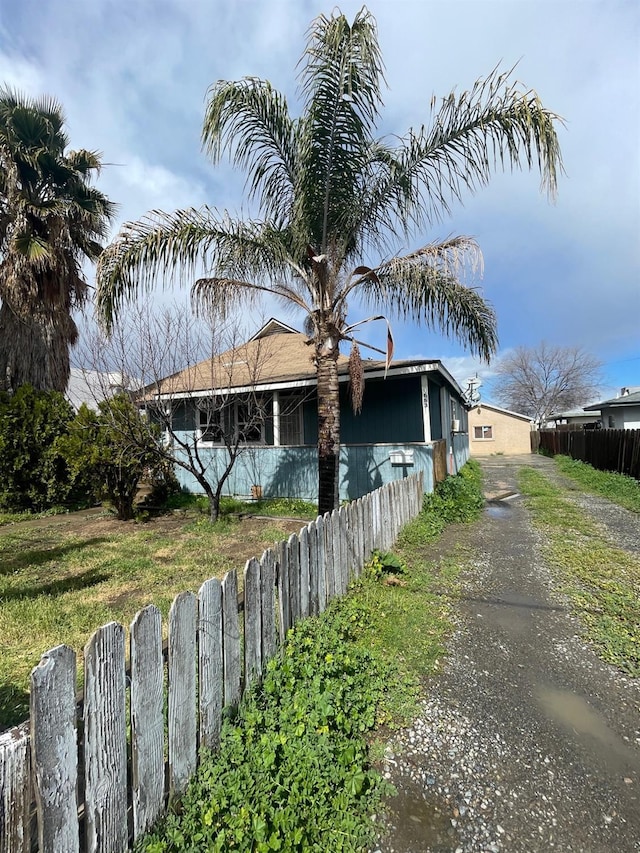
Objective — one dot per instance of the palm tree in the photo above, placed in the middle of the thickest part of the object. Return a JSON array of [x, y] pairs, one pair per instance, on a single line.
[[330, 194], [50, 221]]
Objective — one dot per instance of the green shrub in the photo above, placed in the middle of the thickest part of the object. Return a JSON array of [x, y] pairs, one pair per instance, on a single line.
[[34, 472], [112, 450], [456, 499]]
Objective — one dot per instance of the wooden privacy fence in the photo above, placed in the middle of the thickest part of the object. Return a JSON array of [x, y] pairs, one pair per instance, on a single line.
[[605, 449], [95, 777]]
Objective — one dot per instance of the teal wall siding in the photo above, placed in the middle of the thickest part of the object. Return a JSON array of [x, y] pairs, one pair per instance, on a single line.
[[460, 450], [293, 471], [391, 411]]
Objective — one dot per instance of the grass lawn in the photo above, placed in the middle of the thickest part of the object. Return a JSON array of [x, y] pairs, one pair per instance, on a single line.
[[64, 576]]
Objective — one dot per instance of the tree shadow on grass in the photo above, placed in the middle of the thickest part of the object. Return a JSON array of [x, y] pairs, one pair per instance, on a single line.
[[28, 557], [56, 587]]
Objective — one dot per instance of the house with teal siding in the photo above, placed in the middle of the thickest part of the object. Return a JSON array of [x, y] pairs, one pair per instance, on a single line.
[[264, 391]]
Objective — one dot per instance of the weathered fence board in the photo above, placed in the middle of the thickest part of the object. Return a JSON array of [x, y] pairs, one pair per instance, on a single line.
[[105, 742], [268, 589], [344, 554], [303, 539], [314, 606], [231, 639], [293, 563], [15, 791], [210, 662], [54, 754], [147, 719], [252, 623], [282, 577], [320, 565], [329, 563], [182, 692]]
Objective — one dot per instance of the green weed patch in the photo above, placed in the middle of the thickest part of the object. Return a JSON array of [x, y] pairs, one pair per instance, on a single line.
[[601, 580], [622, 490]]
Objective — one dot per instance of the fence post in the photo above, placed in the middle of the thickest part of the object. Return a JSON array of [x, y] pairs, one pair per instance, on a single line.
[[54, 752], [105, 741], [147, 719], [182, 691], [210, 662]]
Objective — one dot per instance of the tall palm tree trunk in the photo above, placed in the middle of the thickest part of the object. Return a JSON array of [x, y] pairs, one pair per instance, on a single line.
[[34, 349], [328, 426]]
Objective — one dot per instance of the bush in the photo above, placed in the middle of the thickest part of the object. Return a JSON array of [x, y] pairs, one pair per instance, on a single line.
[[114, 449], [34, 473]]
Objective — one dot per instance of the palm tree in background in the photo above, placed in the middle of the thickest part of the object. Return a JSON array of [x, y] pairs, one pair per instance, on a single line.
[[50, 221], [331, 195]]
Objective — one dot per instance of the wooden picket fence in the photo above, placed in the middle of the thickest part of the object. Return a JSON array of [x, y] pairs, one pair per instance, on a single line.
[[94, 776]]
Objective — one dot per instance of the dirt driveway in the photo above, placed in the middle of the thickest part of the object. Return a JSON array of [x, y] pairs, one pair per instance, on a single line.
[[527, 742]]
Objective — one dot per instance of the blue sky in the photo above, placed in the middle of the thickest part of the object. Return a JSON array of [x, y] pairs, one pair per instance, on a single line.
[[132, 76]]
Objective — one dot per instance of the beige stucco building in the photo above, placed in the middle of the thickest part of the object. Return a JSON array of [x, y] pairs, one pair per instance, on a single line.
[[496, 430]]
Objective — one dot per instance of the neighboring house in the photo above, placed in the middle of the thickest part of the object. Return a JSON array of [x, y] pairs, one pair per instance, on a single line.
[[92, 386], [265, 390], [495, 430], [575, 419], [622, 412]]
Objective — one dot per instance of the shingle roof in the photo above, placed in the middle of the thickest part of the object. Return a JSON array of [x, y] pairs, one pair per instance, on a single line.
[[626, 400], [275, 354], [282, 357]]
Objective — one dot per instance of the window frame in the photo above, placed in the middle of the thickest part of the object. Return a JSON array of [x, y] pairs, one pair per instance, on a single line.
[[483, 436]]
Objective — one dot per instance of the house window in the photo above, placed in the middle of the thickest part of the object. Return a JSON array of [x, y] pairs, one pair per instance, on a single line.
[[210, 423], [238, 420], [249, 418], [483, 432], [290, 420]]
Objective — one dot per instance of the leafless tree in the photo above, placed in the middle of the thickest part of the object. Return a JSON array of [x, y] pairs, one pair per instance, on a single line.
[[540, 380], [170, 362]]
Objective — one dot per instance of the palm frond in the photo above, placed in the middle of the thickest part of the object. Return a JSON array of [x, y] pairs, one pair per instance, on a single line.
[[174, 247], [496, 125], [425, 286], [250, 121], [340, 83]]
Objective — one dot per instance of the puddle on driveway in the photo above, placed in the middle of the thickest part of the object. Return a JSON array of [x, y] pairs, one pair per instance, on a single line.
[[497, 509], [574, 713], [419, 822]]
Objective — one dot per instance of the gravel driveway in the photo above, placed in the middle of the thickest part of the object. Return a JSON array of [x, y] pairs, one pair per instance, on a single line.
[[527, 742]]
